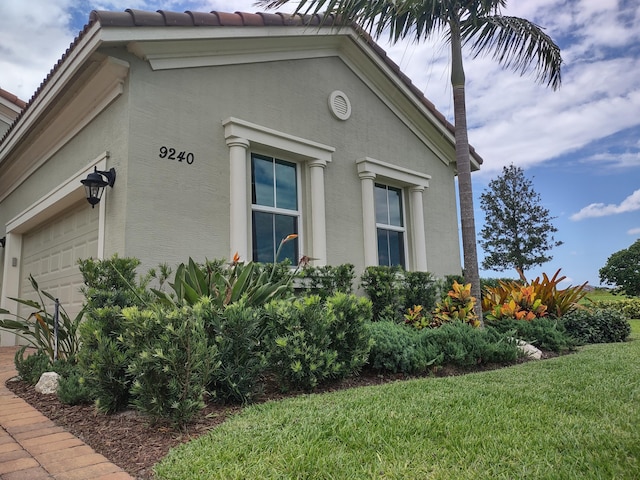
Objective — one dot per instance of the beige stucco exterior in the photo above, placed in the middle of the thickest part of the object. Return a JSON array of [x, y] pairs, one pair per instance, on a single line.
[[123, 93]]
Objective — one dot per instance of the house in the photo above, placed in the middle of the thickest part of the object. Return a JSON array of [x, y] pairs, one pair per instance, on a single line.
[[10, 107], [226, 132]]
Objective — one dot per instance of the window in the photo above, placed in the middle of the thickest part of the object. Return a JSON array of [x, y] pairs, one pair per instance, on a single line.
[[274, 208], [390, 226]]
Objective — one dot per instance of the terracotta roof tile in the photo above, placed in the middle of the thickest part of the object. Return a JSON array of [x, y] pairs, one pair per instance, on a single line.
[[163, 18], [111, 19], [12, 98], [144, 18], [251, 19], [230, 19], [176, 18], [271, 19], [204, 19]]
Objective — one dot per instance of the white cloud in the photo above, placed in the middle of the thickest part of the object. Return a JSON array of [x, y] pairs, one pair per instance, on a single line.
[[42, 27], [629, 204], [634, 231]]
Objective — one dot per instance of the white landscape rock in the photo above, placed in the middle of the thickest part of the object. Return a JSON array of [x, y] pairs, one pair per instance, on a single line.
[[529, 350], [48, 383]]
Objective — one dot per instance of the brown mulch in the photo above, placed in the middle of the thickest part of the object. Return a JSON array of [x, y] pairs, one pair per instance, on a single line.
[[129, 440]]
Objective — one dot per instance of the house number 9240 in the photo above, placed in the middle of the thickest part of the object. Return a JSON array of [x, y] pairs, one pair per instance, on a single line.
[[173, 154]]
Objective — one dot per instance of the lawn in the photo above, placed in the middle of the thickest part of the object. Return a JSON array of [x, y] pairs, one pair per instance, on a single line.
[[571, 417]]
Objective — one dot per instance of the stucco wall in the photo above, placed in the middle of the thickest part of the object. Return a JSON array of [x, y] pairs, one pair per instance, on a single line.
[[175, 210]]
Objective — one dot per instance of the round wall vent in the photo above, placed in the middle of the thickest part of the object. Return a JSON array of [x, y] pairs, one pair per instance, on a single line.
[[339, 105]]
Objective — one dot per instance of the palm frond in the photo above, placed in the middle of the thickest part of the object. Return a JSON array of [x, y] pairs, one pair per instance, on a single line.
[[517, 44]]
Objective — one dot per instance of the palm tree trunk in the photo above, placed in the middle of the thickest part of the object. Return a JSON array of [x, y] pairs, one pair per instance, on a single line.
[[463, 161]]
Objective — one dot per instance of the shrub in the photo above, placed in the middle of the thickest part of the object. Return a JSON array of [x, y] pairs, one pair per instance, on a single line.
[[32, 367], [420, 288], [298, 344], [327, 280], [349, 316], [512, 301], [462, 345], [458, 305], [310, 341], [629, 307], [398, 349], [546, 333], [73, 390], [237, 332], [172, 360], [104, 360], [110, 286], [597, 326], [525, 300], [383, 286]]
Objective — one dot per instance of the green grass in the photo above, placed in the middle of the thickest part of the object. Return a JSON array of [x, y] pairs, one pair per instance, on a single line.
[[572, 417], [604, 295]]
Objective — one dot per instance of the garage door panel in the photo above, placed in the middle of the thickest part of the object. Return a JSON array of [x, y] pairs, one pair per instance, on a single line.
[[51, 252]]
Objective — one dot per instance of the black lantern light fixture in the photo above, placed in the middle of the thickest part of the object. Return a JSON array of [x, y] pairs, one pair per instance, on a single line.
[[3, 242], [95, 183]]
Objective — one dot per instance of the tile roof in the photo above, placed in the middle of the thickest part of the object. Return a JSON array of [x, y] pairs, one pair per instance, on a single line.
[[163, 18], [12, 98]]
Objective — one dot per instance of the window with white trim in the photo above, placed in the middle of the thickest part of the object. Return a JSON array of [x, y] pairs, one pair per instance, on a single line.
[[390, 236], [390, 226], [275, 211]]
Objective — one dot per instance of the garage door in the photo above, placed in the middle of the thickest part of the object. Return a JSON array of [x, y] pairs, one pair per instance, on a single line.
[[51, 251]]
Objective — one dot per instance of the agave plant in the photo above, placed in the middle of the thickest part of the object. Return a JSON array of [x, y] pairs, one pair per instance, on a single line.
[[227, 285]]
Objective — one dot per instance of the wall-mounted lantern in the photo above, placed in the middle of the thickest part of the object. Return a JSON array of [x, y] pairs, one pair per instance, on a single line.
[[96, 182], [3, 241]]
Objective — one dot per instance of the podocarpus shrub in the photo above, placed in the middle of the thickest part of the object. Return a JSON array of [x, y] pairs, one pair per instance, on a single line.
[[327, 280], [545, 333], [597, 326], [420, 288], [462, 345], [298, 343], [110, 285], [350, 338], [309, 342], [238, 333], [172, 360], [398, 349], [383, 286]]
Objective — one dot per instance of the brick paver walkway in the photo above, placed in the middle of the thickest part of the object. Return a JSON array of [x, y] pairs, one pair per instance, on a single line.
[[32, 447]]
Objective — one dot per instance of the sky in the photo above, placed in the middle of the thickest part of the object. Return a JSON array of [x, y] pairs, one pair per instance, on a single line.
[[579, 145]]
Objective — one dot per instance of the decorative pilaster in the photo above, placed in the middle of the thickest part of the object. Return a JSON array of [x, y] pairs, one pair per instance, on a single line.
[[239, 221], [417, 229], [367, 180], [318, 217]]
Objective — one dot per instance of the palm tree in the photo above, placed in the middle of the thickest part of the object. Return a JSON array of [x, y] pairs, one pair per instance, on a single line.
[[516, 43]]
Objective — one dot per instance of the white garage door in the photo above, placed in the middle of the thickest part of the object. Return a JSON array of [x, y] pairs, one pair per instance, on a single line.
[[50, 253]]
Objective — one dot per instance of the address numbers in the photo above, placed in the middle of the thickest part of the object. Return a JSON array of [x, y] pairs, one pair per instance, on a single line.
[[172, 154]]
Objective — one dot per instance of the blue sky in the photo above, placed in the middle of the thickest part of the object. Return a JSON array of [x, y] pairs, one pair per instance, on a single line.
[[579, 145]]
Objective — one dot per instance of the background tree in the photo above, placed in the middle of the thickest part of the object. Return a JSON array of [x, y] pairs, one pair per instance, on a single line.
[[623, 270], [516, 43], [517, 231]]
